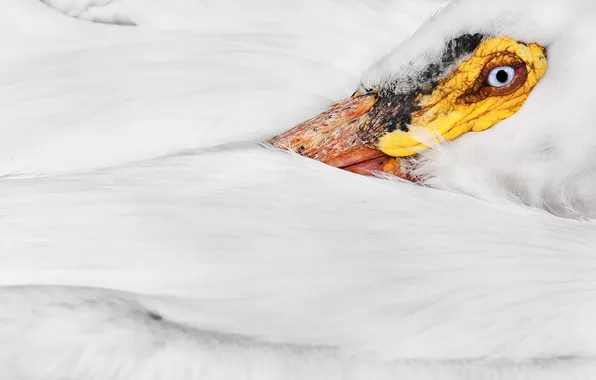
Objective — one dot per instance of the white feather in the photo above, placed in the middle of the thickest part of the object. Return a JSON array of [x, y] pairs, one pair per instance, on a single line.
[[157, 243]]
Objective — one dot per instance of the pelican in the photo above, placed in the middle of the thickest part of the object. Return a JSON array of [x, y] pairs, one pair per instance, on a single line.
[[149, 233]]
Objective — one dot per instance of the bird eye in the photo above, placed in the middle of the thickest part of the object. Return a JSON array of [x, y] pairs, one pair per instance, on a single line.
[[501, 76]]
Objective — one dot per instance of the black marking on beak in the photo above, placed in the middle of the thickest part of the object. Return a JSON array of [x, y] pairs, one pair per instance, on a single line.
[[391, 112], [394, 108]]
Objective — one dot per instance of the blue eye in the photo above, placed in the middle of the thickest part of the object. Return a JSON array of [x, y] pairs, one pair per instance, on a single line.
[[501, 76]]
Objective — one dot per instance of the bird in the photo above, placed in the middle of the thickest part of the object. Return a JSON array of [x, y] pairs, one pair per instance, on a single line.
[[147, 231]]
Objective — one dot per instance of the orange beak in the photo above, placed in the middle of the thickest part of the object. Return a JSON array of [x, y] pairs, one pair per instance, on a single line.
[[333, 138]]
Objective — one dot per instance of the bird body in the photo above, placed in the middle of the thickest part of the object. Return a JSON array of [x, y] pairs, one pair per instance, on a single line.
[[147, 235]]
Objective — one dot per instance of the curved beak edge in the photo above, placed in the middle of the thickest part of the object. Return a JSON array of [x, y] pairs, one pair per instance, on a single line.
[[333, 138]]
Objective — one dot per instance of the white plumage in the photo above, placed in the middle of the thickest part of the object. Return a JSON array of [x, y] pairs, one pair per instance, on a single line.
[[145, 235]]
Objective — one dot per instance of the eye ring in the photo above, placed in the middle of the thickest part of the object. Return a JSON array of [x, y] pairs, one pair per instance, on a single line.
[[484, 85], [493, 86], [501, 76]]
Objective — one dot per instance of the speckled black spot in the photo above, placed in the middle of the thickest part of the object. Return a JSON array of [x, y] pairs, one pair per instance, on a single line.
[[391, 112], [155, 316], [460, 47], [426, 80], [396, 103]]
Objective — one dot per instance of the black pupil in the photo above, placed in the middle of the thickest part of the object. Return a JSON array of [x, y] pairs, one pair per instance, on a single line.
[[502, 76]]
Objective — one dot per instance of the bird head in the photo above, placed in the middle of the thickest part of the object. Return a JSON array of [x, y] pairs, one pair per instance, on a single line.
[[485, 98]]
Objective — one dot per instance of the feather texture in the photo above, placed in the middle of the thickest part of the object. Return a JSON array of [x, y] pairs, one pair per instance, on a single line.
[[147, 235]]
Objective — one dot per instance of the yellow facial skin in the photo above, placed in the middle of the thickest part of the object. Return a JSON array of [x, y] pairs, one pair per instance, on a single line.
[[464, 102]]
